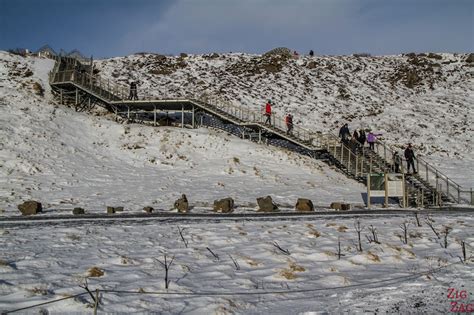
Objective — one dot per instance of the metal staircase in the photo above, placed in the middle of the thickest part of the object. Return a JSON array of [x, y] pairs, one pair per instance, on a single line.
[[76, 82]]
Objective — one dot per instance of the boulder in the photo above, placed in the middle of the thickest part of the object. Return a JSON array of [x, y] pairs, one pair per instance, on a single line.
[[110, 210], [183, 55], [225, 205], [78, 211], [265, 204], [30, 207], [304, 205], [281, 51], [470, 58], [340, 206], [148, 209], [311, 65], [182, 204]]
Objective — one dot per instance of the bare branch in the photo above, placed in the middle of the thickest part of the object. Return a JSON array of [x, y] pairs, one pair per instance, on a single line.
[[284, 251]]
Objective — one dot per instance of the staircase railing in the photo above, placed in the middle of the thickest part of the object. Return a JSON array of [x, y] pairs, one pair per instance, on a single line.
[[355, 164], [277, 121], [429, 174]]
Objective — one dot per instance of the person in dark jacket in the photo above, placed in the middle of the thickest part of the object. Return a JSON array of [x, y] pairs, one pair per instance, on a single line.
[[397, 162], [344, 133], [410, 157], [268, 112], [133, 91], [362, 137], [311, 53]]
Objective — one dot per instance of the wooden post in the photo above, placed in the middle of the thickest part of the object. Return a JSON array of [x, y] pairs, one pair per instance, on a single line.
[[193, 117], [154, 115], [61, 96], [349, 161], [128, 112], [426, 172], [368, 191], [356, 165], [77, 97], [447, 186], [404, 191], [182, 116], [385, 175], [422, 198]]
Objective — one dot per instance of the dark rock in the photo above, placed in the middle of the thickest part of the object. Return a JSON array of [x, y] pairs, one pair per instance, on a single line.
[[340, 206], [225, 205], [304, 205], [435, 56], [311, 65], [182, 204], [183, 55], [148, 209], [77, 211], [118, 209], [30, 207], [266, 204], [470, 58], [282, 51], [110, 210]]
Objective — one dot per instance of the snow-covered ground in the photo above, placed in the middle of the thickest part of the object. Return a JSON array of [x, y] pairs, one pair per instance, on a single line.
[[65, 159], [427, 99], [47, 261]]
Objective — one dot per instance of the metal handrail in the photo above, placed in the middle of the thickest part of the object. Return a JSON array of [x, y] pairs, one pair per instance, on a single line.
[[113, 92], [427, 172]]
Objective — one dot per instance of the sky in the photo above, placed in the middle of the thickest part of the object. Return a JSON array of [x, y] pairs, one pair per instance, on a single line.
[[107, 28]]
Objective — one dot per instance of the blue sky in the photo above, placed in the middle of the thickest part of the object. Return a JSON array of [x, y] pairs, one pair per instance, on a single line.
[[106, 28]]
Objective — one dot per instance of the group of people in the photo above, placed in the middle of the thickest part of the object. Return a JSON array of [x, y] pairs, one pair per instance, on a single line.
[[268, 117], [357, 140]]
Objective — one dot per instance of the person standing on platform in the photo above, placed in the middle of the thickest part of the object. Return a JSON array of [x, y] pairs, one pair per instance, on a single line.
[[410, 157]]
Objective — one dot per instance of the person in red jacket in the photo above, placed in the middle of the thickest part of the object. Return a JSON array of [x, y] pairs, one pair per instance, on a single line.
[[289, 123], [268, 112]]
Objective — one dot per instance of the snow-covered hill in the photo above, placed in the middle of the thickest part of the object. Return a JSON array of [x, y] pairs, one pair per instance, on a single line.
[[53, 154], [425, 99]]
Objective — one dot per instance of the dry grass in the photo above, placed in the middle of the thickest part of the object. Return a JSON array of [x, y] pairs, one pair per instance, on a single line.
[[342, 228], [250, 261], [38, 88], [4, 263], [309, 225], [95, 272], [37, 291], [287, 274], [296, 268], [373, 257], [314, 233], [333, 269]]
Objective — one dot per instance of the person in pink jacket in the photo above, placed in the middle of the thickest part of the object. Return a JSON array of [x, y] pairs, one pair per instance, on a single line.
[[372, 138]]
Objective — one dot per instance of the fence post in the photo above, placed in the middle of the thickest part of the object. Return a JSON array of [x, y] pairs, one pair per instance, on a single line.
[[426, 172], [447, 187]]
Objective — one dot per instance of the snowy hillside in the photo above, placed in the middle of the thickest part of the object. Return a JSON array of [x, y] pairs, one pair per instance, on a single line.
[[63, 158], [425, 99]]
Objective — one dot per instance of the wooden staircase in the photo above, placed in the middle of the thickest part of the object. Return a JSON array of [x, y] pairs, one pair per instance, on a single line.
[[72, 79]]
